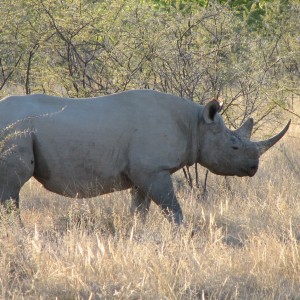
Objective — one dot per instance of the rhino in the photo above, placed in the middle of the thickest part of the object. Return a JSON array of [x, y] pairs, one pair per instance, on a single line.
[[135, 139]]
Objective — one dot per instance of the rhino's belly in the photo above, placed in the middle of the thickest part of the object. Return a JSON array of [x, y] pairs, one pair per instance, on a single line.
[[85, 188]]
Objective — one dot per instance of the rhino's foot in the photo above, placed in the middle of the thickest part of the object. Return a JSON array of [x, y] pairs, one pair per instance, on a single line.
[[10, 213]]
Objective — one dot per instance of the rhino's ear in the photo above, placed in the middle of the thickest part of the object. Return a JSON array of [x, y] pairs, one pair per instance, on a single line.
[[210, 110]]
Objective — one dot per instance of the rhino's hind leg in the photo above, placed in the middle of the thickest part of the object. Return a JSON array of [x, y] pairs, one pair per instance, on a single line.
[[160, 189], [16, 167], [140, 203]]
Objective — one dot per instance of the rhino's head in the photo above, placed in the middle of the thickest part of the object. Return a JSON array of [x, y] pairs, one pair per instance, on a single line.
[[227, 152]]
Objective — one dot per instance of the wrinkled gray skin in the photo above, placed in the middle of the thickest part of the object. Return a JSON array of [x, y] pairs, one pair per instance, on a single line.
[[136, 139]]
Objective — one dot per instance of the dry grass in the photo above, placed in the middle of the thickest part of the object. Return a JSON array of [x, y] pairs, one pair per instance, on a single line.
[[245, 242]]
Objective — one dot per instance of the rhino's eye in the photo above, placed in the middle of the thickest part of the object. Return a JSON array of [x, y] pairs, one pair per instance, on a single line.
[[235, 148]]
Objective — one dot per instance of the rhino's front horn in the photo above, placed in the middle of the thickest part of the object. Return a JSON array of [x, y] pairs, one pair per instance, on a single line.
[[263, 146], [245, 130]]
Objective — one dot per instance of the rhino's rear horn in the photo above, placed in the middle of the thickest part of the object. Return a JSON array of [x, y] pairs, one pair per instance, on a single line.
[[263, 146], [245, 130]]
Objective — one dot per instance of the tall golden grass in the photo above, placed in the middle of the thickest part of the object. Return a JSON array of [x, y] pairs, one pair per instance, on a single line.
[[241, 241]]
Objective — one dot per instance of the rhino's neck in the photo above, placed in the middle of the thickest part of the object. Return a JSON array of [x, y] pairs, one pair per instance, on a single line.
[[199, 136], [194, 141]]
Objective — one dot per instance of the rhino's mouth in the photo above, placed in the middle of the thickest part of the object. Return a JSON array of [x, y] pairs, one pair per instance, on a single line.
[[251, 171]]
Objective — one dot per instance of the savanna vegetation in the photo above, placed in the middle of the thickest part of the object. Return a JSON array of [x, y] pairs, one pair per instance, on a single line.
[[241, 238]]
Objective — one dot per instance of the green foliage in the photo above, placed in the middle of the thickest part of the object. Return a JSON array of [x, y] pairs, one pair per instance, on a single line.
[[252, 11]]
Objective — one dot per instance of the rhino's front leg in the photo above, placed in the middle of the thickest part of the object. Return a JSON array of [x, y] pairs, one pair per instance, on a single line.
[[159, 188], [140, 203]]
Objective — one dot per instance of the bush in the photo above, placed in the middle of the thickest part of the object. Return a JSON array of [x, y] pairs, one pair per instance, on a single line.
[[198, 51]]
